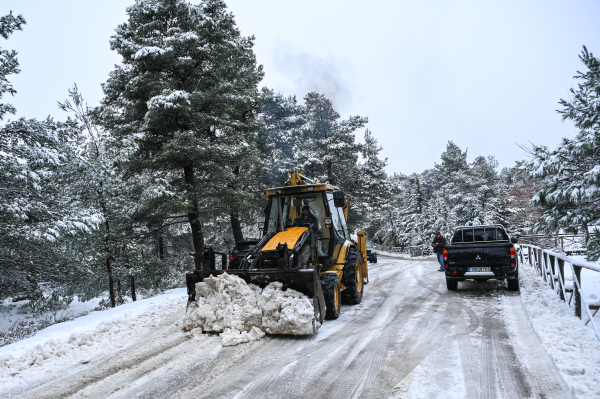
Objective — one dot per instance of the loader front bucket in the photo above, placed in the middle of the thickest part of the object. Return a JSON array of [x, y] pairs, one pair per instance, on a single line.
[[306, 281]]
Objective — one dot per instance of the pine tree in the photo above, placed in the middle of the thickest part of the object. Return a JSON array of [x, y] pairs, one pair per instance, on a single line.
[[569, 176], [281, 136], [372, 189], [8, 60], [328, 150], [35, 218], [185, 93]]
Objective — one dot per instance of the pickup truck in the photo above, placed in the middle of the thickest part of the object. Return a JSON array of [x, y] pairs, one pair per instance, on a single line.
[[481, 253]]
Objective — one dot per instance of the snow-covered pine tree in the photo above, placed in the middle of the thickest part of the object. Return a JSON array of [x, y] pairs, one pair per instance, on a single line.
[[569, 176], [412, 229], [185, 92], [521, 214], [372, 189], [33, 221], [8, 60], [280, 138], [384, 222], [328, 150], [35, 218]]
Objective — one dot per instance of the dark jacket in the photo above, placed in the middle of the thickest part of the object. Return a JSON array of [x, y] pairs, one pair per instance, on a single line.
[[439, 243]]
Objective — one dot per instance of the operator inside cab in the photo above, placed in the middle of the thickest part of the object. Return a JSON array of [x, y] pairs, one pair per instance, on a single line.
[[307, 217]]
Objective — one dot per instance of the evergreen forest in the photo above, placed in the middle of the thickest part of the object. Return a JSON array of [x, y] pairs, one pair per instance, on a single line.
[[113, 200]]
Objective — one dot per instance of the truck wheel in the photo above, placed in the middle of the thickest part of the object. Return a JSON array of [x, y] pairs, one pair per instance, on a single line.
[[352, 279], [374, 260], [452, 285], [332, 294], [513, 284]]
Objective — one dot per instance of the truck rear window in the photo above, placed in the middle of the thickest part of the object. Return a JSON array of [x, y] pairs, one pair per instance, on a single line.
[[479, 234]]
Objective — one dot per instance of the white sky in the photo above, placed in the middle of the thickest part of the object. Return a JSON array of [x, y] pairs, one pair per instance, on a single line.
[[485, 74]]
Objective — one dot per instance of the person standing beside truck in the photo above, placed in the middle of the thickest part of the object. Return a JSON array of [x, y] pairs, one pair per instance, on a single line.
[[438, 244]]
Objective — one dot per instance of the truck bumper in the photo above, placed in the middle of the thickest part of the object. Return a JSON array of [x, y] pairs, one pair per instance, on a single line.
[[497, 272]]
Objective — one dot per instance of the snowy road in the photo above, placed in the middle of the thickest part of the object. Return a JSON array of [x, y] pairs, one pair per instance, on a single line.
[[409, 338]]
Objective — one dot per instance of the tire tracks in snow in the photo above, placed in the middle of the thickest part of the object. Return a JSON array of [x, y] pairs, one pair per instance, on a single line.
[[220, 367], [262, 383], [69, 385], [541, 371]]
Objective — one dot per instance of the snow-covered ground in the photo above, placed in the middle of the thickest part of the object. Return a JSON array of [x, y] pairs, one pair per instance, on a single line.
[[12, 312], [590, 281], [573, 347], [409, 338]]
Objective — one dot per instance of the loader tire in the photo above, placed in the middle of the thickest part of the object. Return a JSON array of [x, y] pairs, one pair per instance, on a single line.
[[332, 293], [352, 279]]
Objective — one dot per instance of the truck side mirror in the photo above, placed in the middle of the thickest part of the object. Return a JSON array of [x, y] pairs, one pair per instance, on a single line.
[[514, 240], [339, 199]]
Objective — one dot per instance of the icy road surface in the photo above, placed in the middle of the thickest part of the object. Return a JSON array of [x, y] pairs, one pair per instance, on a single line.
[[409, 338]]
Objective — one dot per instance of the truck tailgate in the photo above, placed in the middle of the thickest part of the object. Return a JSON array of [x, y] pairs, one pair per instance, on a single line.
[[497, 254]]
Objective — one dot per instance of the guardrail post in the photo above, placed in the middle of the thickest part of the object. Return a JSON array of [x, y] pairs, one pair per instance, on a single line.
[[576, 291], [529, 256], [561, 271], [552, 267], [521, 256]]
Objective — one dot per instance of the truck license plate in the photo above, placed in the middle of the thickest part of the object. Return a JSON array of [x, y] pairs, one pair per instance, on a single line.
[[479, 269]]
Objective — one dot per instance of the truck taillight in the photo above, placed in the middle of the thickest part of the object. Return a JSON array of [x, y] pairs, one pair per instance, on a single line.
[[233, 259], [445, 255], [513, 253]]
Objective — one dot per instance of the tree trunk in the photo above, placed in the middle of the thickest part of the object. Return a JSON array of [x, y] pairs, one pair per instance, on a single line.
[[193, 214], [111, 283], [161, 248], [330, 172], [109, 257], [133, 297], [236, 226]]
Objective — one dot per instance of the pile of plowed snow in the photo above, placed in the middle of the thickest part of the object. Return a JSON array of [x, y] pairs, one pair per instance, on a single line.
[[244, 312]]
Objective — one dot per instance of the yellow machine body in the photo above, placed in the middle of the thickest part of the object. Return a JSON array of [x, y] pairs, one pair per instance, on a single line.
[[290, 237]]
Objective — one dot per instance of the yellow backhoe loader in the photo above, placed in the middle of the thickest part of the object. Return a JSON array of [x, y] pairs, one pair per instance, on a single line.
[[305, 245]]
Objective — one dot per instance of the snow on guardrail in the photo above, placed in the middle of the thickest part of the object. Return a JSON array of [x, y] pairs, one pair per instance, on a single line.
[[551, 267]]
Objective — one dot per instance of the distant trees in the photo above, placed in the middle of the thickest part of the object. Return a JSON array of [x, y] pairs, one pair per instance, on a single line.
[[452, 193]]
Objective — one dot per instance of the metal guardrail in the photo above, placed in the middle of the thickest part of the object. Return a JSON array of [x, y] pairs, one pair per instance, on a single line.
[[394, 250], [551, 267], [558, 239], [408, 250]]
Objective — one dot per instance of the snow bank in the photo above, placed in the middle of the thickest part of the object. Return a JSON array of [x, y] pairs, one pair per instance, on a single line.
[[244, 312], [573, 346], [80, 341]]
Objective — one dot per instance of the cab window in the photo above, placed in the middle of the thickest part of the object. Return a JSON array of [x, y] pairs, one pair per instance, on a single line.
[[468, 235], [337, 218], [457, 236]]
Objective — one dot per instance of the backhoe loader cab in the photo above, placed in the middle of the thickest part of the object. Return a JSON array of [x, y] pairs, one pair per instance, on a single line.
[[329, 230], [311, 253]]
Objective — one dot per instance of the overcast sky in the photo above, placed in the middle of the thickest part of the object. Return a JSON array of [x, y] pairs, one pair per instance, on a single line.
[[487, 75]]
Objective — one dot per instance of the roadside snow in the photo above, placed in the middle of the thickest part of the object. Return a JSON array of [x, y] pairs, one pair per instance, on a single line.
[[573, 347], [244, 312], [13, 312], [77, 342]]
